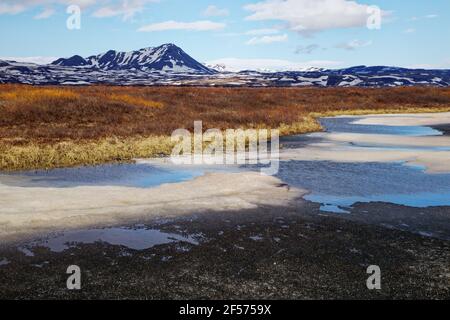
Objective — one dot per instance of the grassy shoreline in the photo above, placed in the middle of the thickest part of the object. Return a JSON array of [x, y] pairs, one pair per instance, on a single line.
[[44, 128]]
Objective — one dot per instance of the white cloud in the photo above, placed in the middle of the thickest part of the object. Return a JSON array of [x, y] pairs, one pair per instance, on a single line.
[[310, 16], [11, 8], [253, 32], [176, 25], [103, 8], [353, 45], [38, 60], [260, 32], [410, 30], [214, 11], [15, 7], [126, 9], [428, 16], [46, 13], [267, 39], [236, 64]]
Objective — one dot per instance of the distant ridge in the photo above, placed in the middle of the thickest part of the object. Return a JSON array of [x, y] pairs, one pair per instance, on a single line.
[[169, 65]]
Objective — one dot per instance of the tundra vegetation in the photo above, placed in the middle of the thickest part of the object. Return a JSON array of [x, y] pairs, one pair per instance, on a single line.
[[59, 126]]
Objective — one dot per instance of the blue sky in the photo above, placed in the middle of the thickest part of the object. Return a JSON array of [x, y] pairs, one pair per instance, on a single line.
[[256, 33]]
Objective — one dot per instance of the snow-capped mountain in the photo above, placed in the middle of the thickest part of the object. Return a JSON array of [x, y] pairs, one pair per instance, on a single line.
[[170, 65], [219, 67], [168, 58]]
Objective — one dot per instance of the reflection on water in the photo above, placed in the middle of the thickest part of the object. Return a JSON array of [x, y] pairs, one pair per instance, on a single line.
[[418, 200], [337, 186], [345, 124], [132, 238], [129, 175], [343, 184]]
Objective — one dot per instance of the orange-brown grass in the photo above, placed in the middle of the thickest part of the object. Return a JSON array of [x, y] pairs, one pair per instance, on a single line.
[[134, 101], [42, 118], [32, 95]]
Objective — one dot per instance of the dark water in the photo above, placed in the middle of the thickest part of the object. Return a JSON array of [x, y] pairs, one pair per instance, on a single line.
[[129, 175], [136, 238], [335, 184], [343, 124]]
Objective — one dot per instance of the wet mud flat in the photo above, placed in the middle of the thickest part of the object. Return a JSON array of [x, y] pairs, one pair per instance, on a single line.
[[294, 252]]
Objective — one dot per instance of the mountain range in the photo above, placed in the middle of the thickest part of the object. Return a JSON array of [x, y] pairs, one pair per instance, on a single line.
[[167, 57], [170, 65]]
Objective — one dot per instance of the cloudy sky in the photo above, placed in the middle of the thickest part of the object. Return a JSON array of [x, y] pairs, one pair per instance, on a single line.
[[240, 33]]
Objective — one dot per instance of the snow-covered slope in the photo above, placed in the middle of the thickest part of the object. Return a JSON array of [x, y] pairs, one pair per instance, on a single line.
[[3, 63], [218, 67], [167, 57]]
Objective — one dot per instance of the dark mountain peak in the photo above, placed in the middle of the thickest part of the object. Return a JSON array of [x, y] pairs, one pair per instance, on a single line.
[[167, 57], [73, 61], [106, 58], [356, 68]]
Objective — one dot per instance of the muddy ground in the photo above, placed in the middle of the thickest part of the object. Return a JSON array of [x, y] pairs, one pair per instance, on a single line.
[[294, 252]]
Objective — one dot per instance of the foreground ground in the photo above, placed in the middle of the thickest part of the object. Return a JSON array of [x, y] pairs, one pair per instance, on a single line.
[[291, 252], [46, 127]]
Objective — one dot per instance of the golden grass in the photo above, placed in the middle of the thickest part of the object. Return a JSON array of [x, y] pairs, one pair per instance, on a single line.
[[46, 127], [31, 95], [304, 125], [68, 154]]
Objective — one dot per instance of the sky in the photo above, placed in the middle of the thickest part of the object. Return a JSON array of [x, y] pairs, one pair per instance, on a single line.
[[242, 34]]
